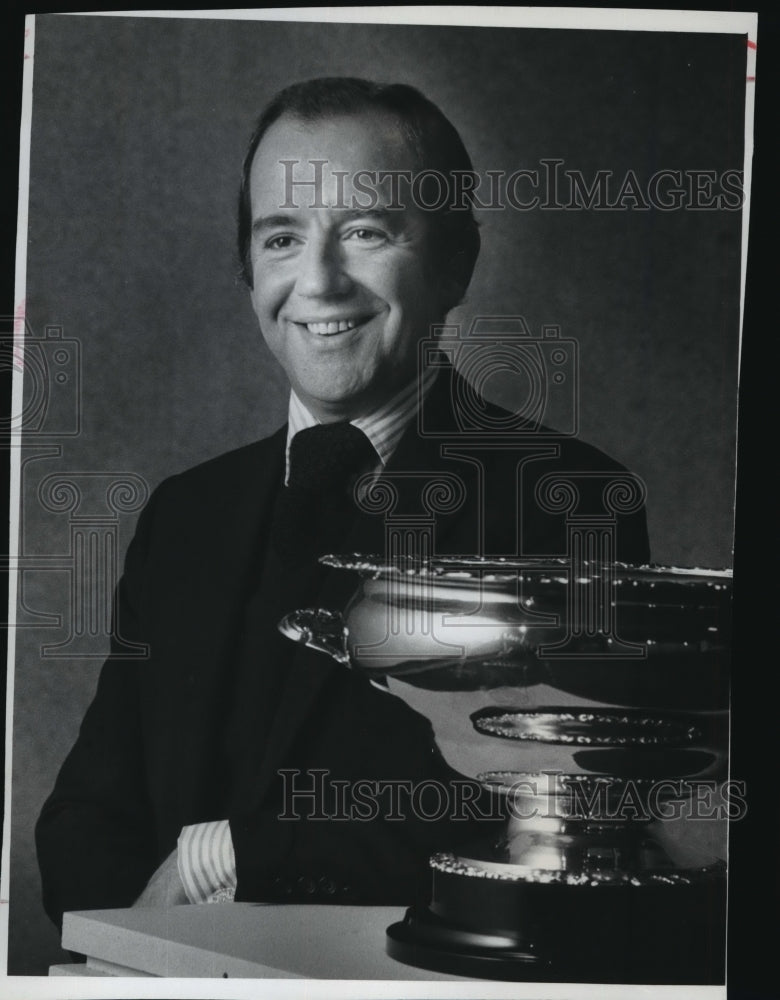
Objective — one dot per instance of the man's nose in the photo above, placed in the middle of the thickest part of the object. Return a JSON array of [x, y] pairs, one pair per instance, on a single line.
[[321, 269]]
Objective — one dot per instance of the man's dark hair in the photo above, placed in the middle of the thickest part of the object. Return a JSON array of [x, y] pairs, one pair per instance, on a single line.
[[430, 134]]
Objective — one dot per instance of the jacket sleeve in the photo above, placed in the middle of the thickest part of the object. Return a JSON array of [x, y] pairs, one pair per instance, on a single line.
[[372, 861], [95, 835], [359, 826]]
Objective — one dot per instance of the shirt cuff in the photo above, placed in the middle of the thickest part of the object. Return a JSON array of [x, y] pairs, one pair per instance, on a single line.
[[207, 862]]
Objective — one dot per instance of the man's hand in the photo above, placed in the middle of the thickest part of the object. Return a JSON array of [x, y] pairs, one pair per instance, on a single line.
[[165, 887]]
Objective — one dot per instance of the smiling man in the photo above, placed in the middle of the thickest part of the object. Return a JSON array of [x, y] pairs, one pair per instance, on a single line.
[[219, 767], [342, 295], [347, 273]]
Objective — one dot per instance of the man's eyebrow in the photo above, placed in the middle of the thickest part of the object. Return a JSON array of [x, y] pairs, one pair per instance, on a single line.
[[385, 215], [265, 222]]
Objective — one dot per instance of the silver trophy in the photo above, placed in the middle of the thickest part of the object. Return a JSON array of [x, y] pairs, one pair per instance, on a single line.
[[593, 699]]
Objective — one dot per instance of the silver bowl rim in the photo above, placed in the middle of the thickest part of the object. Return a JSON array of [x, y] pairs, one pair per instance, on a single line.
[[501, 570]]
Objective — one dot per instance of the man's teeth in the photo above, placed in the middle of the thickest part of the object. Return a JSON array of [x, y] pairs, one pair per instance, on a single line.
[[340, 326]]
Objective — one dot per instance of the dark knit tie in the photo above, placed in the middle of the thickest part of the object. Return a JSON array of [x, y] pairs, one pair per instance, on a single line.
[[329, 457], [312, 516], [317, 506]]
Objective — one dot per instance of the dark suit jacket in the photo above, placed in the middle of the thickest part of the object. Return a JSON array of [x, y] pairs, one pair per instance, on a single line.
[[151, 753]]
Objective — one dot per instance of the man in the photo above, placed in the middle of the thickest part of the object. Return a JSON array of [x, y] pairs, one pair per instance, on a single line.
[[174, 788]]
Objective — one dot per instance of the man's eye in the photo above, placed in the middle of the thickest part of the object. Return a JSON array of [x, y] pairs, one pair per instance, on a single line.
[[279, 243], [363, 235]]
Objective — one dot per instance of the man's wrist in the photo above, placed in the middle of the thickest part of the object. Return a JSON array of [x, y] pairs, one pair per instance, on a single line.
[[207, 862]]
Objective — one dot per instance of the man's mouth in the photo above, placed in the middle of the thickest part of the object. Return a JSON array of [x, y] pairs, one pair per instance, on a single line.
[[329, 328]]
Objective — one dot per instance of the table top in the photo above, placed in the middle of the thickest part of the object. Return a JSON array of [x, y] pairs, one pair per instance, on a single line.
[[244, 940], [285, 943]]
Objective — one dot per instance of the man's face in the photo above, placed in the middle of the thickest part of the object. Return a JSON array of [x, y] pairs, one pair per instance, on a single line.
[[342, 295]]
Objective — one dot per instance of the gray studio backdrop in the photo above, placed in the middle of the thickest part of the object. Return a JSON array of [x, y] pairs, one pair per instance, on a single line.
[[152, 355]]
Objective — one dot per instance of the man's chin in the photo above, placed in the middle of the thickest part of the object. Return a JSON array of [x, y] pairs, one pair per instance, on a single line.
[[334, 402]]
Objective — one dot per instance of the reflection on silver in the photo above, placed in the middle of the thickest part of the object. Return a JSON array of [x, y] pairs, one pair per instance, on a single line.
[[587, 728], [452, 865]]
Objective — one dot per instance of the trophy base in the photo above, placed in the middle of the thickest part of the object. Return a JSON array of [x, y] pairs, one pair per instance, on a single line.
[[529, 931]]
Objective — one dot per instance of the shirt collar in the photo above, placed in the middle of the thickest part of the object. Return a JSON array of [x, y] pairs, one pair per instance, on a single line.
[[383, 427]]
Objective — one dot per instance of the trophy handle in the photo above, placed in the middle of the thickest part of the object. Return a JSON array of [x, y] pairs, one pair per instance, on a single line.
[[318, 629]]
